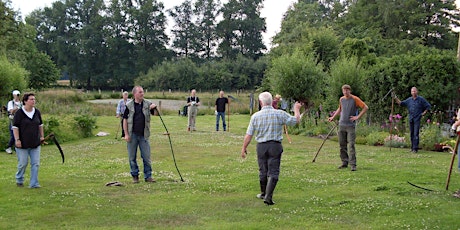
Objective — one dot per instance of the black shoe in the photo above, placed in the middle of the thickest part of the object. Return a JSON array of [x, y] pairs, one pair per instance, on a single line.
[[269, 202], [353, 168], [20, 184], [343, 166]]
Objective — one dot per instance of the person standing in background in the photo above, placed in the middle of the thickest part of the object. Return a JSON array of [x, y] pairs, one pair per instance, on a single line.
[[418, 107], [121, 106], [13, 106], [220, 110], [192, 102]]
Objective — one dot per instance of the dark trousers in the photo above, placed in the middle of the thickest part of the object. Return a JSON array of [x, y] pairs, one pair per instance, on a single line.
[[122, 130], [269, 159], [11, 141], [414, 126]]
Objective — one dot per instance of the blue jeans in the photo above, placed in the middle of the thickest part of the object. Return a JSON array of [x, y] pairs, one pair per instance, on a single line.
[[347, 136], [23, 158], [414, 126], [218, 116], [144, 146]]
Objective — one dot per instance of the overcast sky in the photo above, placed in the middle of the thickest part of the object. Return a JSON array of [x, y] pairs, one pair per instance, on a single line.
[[272, 11]]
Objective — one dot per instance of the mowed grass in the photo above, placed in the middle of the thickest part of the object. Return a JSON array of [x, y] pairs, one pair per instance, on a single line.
[[219, 187]]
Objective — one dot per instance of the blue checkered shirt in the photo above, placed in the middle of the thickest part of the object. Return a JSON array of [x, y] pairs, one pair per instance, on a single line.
[[269, 123]]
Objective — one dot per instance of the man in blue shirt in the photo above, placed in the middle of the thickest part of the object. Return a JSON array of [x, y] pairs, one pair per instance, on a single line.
[[418, 107], [268, 123]]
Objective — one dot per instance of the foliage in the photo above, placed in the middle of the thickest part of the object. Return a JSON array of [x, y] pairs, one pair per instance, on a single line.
[[241, 29], [12, 76], [85, 124], [344, 71], [402, 72], [300, 70], [43, 72], [376, 138], [396, 141]]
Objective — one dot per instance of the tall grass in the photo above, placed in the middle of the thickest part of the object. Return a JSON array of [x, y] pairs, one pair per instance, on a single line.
[[219, 189]]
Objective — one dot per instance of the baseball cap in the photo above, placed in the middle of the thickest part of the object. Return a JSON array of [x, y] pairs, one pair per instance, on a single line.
[[16, 92]]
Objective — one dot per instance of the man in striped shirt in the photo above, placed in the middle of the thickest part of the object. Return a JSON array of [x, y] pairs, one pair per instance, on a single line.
[[268, 123], [348, 110]]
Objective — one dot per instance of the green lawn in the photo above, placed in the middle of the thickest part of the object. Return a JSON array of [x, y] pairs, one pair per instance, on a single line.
[[219, 189]]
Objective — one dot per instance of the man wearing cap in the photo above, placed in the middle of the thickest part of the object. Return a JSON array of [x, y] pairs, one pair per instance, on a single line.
[[348, 110], [12, 107]]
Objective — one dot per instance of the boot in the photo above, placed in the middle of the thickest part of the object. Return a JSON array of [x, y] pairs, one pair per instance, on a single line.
[[269, 192], [263, 187]]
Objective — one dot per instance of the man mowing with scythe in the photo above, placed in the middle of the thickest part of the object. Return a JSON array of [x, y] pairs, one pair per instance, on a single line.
[[268, 123]]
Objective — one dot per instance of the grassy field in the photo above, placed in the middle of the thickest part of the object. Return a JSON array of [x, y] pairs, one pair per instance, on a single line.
[[219, 189]]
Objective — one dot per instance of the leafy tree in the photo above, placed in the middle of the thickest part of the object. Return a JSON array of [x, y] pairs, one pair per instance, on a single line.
[[12, 75], [43, 72], [241, 29], [297, 76], [344, 71], [428, 20], [149, 23], [185, 31], [206, 12], [432, 71], [120, 61]]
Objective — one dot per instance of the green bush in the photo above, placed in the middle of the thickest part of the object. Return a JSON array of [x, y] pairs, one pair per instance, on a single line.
[[97, 96], [396, 141], [85, 125], [376, 138], [5, 133], [430, 135]]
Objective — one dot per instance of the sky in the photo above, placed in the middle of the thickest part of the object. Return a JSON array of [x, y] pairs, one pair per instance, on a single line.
[[272, 11]]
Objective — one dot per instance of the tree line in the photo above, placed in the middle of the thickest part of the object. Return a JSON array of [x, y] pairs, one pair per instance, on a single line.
[[374, 46]]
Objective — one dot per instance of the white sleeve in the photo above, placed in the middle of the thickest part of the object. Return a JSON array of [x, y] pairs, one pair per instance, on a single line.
[[10, 106]]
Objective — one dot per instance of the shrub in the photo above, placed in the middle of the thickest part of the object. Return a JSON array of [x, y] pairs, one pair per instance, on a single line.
[[85, 125], [376, 138], [5, 134], [396, 141]]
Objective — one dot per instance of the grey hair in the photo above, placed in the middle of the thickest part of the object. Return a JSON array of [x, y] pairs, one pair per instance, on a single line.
[[266, 98]]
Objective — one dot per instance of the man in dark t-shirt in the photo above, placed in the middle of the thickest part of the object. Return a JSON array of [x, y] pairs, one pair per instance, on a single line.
[[220, 110]]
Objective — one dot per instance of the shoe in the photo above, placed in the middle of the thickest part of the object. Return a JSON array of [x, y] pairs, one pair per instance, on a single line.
[[343, 166], [20, 184], [135, 179], [150, 180], [8, 150], [36, 186], [269, 202], [188, 129], [353, 168], [261, 196]]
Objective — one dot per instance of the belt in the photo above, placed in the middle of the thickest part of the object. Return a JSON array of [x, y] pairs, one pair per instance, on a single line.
[[268, 142]]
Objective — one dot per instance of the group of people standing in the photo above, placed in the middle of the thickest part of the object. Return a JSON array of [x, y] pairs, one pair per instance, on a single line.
[[266, 125]]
